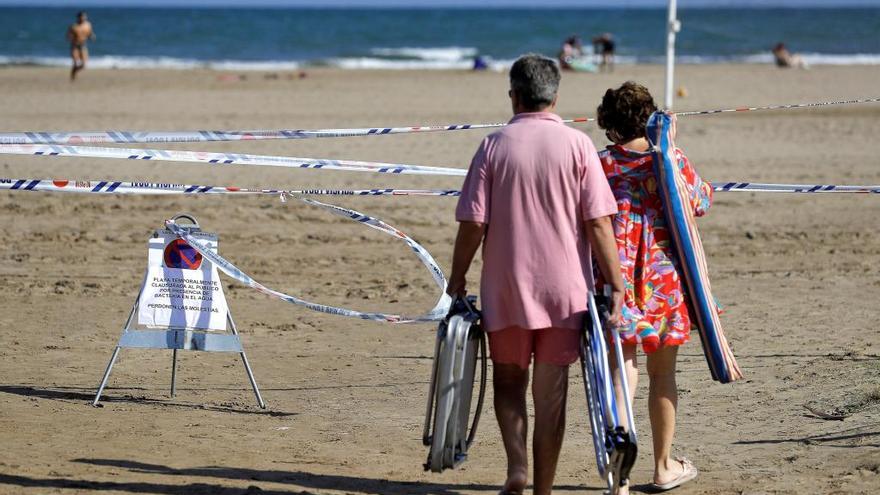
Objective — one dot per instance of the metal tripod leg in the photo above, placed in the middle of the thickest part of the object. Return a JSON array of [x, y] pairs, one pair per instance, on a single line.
[[106, 376], [247, 366], [113, 357], [173, 372]]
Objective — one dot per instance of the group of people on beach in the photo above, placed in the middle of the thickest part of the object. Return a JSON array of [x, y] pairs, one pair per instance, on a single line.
[[572, 53], [550, 211]]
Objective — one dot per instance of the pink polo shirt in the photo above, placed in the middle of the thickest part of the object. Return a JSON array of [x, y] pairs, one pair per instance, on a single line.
[[534, 183]]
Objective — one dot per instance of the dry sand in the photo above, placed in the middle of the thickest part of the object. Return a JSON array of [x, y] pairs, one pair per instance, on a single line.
[[800, 277]]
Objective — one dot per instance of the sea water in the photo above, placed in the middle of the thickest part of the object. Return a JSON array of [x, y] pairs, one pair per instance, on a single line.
[[428, 38]]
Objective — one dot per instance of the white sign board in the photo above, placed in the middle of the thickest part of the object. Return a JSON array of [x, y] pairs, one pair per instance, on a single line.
[[181, 290]]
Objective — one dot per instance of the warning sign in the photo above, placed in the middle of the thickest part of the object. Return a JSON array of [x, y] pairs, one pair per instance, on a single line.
[[180, 289]]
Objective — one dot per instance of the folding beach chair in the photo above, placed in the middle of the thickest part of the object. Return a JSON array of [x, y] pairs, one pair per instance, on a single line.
[[615, 444], [461, 344]]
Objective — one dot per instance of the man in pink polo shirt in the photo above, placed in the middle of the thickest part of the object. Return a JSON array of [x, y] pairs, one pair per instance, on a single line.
[[537, 199]]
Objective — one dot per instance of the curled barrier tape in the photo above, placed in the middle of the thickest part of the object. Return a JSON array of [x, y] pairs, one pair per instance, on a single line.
[[48, 144], [123, 137], [435, 314], [442, 305], [150, 188], [226, 159]]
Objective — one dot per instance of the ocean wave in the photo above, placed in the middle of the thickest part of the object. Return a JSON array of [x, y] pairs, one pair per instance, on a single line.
[[353, 63], [380, 63], [138, 62], [445, 54], [767, 58]]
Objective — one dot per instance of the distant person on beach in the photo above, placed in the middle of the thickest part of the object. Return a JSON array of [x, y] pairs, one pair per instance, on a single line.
[[655, 312], [571, 50], [78, 34], [786, 59], [535, 197], [604, 46], [480, 63]]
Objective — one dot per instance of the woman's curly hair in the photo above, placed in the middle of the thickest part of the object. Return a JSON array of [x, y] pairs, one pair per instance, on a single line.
[[624, 112]]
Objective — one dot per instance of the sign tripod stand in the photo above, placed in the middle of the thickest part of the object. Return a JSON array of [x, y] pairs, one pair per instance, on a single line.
[[174, 269]]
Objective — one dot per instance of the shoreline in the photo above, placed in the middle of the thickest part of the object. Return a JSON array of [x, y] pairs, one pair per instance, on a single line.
[[872, 60]]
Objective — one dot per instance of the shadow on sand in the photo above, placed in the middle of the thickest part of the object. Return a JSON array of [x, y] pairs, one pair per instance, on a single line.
[[68, 394], [850, 438], [302, 480]]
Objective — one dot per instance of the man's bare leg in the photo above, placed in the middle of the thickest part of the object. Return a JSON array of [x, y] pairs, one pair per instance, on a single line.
[[78, 63], [662, 403], [510, 382], [549, 390]]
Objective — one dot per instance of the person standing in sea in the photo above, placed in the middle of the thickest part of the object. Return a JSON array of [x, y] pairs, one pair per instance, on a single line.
[[604, 46], [537, 200], [78, 34]]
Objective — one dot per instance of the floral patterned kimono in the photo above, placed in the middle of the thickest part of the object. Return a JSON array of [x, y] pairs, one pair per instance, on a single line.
[[655, 311]]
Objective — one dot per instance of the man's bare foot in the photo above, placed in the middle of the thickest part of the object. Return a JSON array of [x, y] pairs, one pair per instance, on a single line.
[[516, 483]]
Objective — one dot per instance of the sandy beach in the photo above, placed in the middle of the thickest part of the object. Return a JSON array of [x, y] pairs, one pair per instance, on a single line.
[[799, 276]]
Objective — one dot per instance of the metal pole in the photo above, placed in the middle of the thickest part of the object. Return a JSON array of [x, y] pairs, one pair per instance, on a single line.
[[173, 371], [672, 26]]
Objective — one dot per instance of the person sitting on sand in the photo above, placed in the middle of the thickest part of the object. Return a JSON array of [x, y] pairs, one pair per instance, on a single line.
[[655, 312], [536, 198], [78, 34], [571, 50], [786, 59]]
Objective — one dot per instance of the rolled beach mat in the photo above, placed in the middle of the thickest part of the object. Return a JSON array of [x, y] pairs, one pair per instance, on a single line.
[[686, 243]]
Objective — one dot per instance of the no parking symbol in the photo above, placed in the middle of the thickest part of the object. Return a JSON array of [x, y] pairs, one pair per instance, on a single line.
[[179, 254]]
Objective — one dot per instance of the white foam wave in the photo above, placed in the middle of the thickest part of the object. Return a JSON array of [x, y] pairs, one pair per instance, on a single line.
[[446, 54], [136, 62], [767, 58], [857, 59], [373, 63], [437, 63]]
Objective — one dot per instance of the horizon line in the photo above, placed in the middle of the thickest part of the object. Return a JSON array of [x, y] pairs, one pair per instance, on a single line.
[[395, 6]]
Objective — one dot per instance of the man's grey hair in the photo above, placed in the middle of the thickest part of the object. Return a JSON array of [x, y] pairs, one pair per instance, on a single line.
[[535, 80]]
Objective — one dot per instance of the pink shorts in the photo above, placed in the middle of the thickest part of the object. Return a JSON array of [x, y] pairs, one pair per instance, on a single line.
[[515, 345]]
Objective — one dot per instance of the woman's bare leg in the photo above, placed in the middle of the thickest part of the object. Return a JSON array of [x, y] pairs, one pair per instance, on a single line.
[[662, 403]]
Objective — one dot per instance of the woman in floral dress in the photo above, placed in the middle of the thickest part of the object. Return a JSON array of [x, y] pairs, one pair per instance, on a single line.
[[655, 312]]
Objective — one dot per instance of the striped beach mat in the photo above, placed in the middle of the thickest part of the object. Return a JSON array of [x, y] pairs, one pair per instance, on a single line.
[[687, 245]]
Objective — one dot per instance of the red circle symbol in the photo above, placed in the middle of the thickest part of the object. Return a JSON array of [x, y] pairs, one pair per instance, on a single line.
[[179, 254]]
